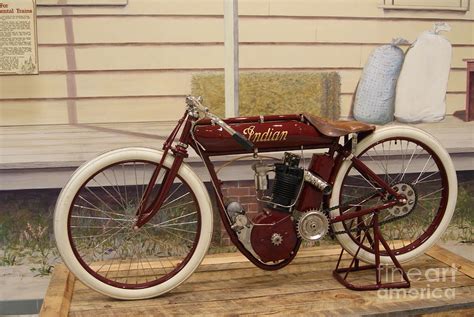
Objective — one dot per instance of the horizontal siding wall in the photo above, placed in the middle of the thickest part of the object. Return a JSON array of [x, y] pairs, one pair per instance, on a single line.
[[135, 63]]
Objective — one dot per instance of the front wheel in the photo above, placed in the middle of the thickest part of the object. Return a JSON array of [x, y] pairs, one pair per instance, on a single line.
[[94, 225], [415, 165]]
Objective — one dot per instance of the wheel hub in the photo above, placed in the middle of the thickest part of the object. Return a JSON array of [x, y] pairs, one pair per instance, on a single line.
[[407, 203]]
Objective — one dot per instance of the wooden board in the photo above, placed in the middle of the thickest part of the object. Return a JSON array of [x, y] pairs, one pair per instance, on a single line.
[[205, 29], [460, 263], [301, 8], [160, 83], [145, 56], [44, 156], [43, 141], [127, 108], [59, 293], [227, 284]]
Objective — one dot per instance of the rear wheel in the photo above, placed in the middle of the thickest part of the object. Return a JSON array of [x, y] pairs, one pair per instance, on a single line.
[[94, 225], [415, 165]]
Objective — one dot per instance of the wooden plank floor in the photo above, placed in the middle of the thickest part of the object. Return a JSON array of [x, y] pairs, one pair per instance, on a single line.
[[66, 145], [228, 285], [45, 156]]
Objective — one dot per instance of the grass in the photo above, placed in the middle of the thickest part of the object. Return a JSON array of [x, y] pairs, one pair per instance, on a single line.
[[461, 227], [26, 235]]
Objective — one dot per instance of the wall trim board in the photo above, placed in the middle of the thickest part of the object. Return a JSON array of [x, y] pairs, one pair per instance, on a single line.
[[91, 98], [250, 16], [145, 96], [214, 69], [313, 43]]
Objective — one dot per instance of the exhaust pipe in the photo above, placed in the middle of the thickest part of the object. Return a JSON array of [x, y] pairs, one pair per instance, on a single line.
[[317, 182]]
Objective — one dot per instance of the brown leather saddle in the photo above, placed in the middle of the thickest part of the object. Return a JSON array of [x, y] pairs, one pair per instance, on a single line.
[[337, 128]]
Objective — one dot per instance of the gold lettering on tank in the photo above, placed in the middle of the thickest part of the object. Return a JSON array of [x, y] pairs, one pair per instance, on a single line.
[[271, 135]]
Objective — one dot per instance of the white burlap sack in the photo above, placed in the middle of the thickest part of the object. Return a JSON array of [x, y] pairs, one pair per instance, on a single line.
[[423, 81], [374, 99]]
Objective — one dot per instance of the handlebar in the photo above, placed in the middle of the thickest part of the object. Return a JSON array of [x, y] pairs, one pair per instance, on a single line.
[[243, 141], [195, 107]]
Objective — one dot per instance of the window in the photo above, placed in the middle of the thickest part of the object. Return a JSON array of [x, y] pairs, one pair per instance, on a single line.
[[438, 5], [81, 2]]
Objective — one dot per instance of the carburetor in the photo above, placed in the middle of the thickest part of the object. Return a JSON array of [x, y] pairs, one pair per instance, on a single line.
[[261, 174]]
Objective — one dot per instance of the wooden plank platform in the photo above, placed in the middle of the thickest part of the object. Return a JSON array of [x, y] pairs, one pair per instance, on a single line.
[[45, 156], [229, 285]]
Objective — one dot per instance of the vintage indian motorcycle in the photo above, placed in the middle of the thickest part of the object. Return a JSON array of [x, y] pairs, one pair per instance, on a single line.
[[136, 222]]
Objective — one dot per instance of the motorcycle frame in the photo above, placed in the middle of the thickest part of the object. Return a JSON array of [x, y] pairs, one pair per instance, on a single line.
[[188, 124]]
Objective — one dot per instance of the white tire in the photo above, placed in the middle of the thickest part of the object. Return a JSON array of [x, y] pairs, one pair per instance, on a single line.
[[83, 175], [347, 241]]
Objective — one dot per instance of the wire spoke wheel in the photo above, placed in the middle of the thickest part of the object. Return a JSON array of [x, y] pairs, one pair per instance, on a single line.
[[416, 170], [406, 225], [103, 246], [101, 227]]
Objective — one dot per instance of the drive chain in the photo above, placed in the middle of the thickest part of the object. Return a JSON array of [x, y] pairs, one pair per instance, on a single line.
[[365, 227]]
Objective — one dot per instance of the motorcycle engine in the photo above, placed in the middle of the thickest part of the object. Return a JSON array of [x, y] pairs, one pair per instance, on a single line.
[[271, 235]]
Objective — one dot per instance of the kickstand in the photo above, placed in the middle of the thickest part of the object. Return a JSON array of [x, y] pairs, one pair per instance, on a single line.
[[341, 274]]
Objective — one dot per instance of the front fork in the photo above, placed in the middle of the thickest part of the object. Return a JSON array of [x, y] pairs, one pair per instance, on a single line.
[[368, 173], [146, 210]]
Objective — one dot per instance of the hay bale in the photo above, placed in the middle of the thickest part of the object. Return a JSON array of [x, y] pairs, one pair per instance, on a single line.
[[274, 93]]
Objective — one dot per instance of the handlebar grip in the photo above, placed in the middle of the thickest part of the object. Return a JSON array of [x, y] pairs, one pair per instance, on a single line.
[[243, 141]]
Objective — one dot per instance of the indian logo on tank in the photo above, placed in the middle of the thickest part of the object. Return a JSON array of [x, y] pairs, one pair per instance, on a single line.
[[269, 135]]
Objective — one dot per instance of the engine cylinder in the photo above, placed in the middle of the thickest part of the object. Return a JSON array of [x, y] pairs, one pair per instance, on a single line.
[[286, 184]]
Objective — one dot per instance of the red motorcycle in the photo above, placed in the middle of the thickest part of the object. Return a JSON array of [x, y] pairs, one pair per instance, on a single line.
[[136, 222]]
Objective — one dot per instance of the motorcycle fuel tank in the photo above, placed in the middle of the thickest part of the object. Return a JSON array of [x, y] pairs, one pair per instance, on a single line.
[[270, 133]]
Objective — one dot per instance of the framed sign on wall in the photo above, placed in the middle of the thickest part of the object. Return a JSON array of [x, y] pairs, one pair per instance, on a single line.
[[18, 37]]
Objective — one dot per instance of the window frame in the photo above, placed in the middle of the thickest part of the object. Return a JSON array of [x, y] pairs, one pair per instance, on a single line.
[[463, 6], [81, 2]]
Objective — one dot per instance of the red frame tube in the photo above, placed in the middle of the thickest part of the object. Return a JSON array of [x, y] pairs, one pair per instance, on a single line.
[[362, 212], [364, 170], [156, 172], [145, 214]]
